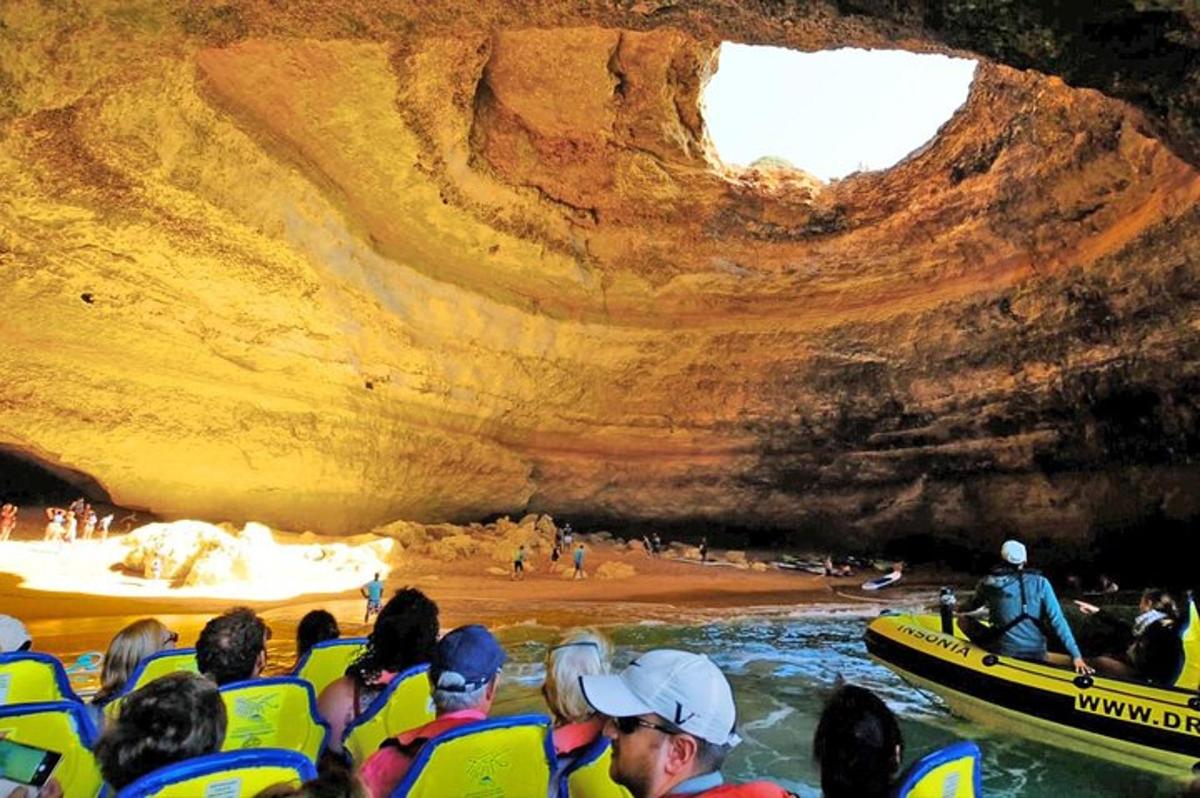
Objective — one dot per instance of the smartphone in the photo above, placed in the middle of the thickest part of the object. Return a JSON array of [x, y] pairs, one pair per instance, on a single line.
[[24, 765]]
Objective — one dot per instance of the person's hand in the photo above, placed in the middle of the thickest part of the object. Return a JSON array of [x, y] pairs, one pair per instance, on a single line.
[[1085, 608], [1082, 668]]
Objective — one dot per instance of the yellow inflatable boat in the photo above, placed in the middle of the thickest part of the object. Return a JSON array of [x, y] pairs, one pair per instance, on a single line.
[[1137, 724]]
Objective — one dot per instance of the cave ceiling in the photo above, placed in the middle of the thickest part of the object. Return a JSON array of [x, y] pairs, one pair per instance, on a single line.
[[330, 264]]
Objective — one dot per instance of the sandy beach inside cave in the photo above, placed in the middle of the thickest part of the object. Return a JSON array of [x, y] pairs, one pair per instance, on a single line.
[[73, 602]]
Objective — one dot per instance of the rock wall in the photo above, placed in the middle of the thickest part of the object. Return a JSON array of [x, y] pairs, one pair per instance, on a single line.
[[327, 266]]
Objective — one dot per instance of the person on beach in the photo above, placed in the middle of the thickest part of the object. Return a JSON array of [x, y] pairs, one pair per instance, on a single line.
[[704, 549], [656, 545], [463, 676], [405, 633], [232, 647], [580, 652], [1154, 650], [555, 556], [316, 626], [518, 571], [55, 531], [1021, 608], [105, 523], [173, 718], [70, 526], [579, 572], [373, 592], [857, 745], [568, 536], [89, 524], [671, 720], [128, 647], [8, 520]]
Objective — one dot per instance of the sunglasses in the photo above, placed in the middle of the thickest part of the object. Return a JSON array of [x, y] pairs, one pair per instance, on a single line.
[[629, 725]]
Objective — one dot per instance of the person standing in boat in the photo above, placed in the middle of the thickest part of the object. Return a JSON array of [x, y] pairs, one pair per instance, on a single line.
[[1020, 605]]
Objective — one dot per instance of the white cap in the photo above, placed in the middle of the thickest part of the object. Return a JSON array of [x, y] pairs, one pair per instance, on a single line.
[[13, 636], [1013, 552], [686, 690]]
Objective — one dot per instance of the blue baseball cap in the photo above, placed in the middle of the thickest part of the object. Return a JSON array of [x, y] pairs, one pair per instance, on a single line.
[[465, 659]]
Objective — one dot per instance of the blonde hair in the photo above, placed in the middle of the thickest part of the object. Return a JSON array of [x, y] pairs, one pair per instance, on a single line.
[[581, 652], [136, 641]]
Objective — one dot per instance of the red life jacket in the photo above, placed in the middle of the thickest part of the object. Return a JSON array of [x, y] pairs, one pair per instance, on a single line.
[[753, 789]]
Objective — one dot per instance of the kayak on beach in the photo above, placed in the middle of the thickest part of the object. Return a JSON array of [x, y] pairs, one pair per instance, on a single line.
[[880, 582]]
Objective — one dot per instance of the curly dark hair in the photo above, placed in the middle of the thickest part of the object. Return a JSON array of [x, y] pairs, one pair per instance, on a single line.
[[229, 645], [858, 745], [173, 718], [405, 634], [315, 627]]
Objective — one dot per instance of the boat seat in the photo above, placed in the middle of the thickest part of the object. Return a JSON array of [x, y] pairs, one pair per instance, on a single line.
[[950, 772], [327, 661], [405, 704], [1188, 677], [587, 776], [511, 757], [150, 668], [277, 712], [29, 677], [228, 774], [62, 726]]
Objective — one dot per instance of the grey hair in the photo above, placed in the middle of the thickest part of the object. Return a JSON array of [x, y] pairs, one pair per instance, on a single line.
[[582, 652], [457, 700], [710, 756]]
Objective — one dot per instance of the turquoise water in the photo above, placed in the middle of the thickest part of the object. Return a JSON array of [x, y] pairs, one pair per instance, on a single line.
[[783, 667]]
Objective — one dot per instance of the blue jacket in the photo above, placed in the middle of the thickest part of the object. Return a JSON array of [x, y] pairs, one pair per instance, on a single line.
[[1000, 592]]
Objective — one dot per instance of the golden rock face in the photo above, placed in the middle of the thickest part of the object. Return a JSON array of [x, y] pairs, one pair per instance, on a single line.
[[328, 267]]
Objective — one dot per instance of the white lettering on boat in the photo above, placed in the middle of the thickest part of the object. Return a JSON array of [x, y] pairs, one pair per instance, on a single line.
[[951, 644]]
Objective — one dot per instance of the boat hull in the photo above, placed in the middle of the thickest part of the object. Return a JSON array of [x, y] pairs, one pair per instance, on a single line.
[[1152, 728]]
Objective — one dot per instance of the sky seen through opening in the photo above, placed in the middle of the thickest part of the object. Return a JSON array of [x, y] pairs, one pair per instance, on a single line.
[[831, 112]]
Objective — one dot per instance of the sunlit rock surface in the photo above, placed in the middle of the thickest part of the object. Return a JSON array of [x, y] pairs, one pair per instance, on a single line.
[[329, 265]]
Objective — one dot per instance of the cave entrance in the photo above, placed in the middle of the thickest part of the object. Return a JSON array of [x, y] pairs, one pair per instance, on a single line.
[[832, 112], [26, 479]]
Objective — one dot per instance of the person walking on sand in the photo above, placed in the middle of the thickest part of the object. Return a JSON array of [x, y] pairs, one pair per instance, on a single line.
[[8, 520], [555, 554], [89, 524], [71, 525], [656, 545], [579, 572], [704, 549], [518, 571], [373, 592], [105, 523]]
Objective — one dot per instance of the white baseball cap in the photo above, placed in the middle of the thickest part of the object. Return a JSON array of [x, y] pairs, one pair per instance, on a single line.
[[687, 690], [1013, 552], [13, 636]]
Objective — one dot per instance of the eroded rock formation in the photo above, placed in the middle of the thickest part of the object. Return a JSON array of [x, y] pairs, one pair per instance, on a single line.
[[329, 266]]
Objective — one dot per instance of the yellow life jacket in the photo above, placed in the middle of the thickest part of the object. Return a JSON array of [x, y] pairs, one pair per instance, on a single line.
[[279, 712], [1189, 635], [587, 776], [150, 668], [405, 704], [511, 757], [28, 677], [62, 726], [327, 661], [950, 772], [229, 774]]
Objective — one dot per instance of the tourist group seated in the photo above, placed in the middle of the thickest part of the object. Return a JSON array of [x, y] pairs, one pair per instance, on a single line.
[[400, 712]]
